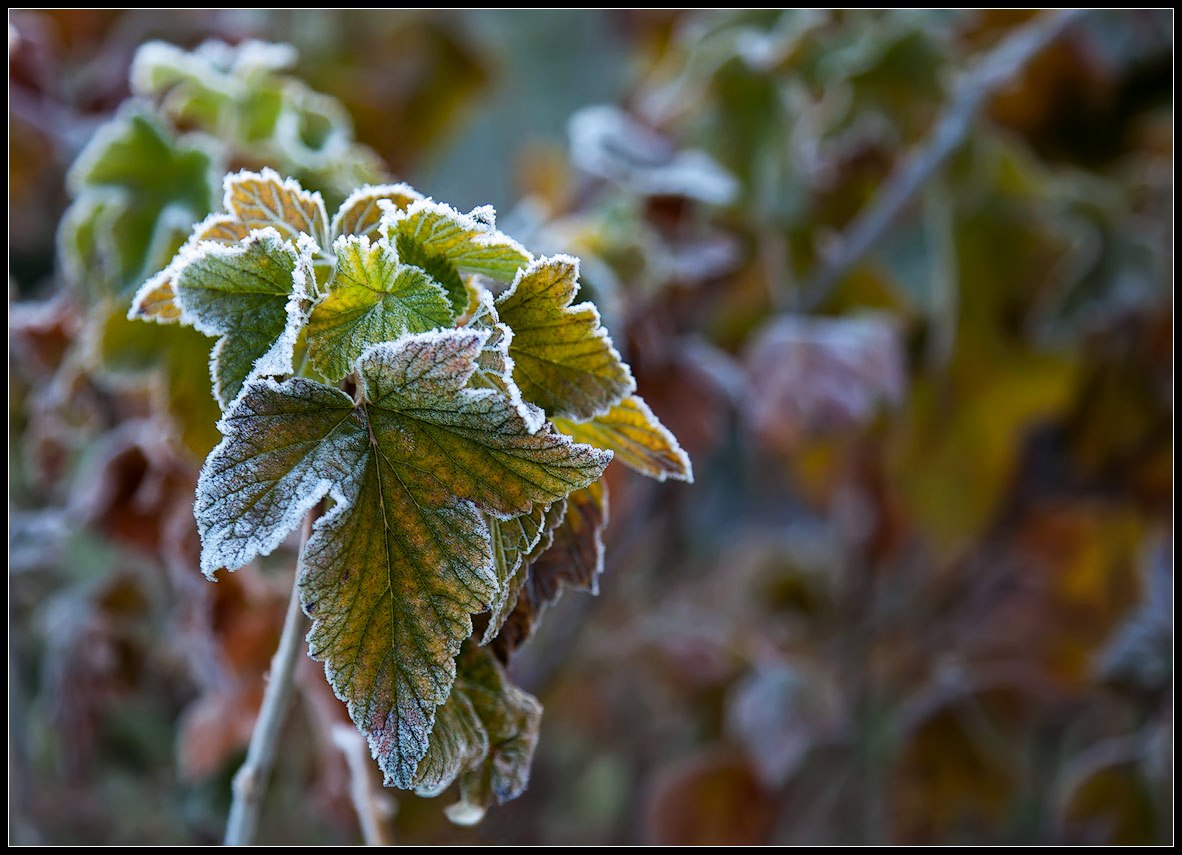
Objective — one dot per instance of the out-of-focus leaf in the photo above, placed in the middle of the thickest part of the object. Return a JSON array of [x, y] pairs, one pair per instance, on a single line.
[[1112, 805], [1140, 656], [564, 360], [812, 377], [484, 735], [137, 190], [637, 437], [393, 571], [777, 715], [234, 633], [236, 94], [373, 298], [955, 777], [174, 360], [607, 142]]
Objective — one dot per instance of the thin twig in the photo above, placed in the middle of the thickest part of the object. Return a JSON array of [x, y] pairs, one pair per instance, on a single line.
[[250, 782], [374, 808], [989, 75]]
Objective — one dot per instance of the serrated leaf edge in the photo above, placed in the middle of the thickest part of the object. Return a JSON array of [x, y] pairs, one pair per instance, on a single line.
[[280, 357]]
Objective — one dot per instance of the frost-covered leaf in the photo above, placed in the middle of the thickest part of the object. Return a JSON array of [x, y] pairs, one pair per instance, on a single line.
[[494, 366], [254, 297], [394, 570], [484, 735], [637, 437], [444, 242], [574, 559], [373, 298], [156, 298], [360, 214], [138, 190], [515, 543], [260, 200], [564, 360], [469, 241]]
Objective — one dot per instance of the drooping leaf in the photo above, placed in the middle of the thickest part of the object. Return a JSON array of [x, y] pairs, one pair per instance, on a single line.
[[138, 190], [373, 298], [637, 437], [564, 360], [484, 735], [254, 297], [515, 542], [360, 214], [574, 559], [402, 559]]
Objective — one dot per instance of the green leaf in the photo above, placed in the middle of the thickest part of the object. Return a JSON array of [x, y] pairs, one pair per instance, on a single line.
[[172, 360], [255, 201], [138, 191], [254, 296], [156, 299], [564, 358], [444, 242], [637, 437], [361, 213], [438, 268], [484, 735], [471, 242], [574, 559], [402, 559], [373, 298]]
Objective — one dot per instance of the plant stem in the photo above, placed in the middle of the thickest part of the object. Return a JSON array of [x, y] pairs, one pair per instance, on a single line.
[[250, 782], [373, 808], [998, 67]]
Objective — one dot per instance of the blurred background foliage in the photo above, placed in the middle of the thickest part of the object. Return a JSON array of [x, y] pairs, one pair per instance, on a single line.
[[922, 589]]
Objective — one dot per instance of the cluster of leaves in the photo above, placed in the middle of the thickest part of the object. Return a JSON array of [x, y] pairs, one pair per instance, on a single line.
[[153, 171], [448, 490]]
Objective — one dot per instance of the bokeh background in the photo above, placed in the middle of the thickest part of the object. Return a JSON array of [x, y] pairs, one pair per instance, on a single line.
[[921, 590]]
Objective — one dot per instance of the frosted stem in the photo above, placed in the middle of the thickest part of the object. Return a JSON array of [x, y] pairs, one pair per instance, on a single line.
[[250, 782]]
